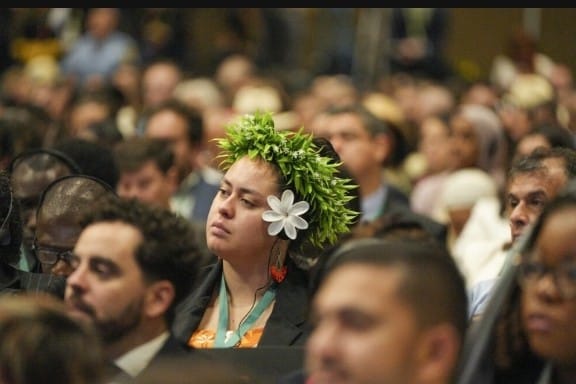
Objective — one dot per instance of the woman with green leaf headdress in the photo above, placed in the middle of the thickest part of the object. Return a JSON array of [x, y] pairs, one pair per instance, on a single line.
[[280, 193]]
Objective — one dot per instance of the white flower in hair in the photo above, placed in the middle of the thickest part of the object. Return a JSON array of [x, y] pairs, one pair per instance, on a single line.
[[285, 215]]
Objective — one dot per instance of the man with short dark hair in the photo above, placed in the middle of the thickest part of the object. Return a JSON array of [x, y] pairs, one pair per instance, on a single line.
[[386, 311], [132, 264], [148, 173], [147, 170], [183, 128], [366, 145]]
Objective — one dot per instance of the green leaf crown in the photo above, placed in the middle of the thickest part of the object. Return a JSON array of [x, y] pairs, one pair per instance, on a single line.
[[313, 177]]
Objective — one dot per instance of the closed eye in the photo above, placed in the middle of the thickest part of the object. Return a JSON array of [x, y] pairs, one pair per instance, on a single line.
[[103, 268]]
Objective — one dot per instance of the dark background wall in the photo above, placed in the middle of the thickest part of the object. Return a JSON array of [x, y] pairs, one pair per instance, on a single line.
[[475, 35]]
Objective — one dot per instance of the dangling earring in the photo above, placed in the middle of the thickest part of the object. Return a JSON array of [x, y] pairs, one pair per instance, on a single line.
[[277, 269]]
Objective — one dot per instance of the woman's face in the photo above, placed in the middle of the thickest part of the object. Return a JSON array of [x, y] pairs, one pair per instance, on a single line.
[[435, 144], [464, 143], [234, 227], [548, 317]]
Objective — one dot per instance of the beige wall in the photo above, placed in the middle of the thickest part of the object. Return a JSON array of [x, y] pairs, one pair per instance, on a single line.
[[478, 34]]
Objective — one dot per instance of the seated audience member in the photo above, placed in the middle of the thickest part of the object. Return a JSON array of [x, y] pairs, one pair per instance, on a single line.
[[478, 140], [547, 276], [148, 173], [521, 56], [183, 127], [91, 60], [57, 219], [30, 173], [147, 170], [131, 265], [526, 333], [255, 294], [433, 150], [13, 280], [544, 135], [364, 144], [40, 343], [87, 109], [390, 335], [532, 182], [529, 102]]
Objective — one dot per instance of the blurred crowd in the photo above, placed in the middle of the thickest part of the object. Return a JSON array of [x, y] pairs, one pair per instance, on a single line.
[[107, 102]]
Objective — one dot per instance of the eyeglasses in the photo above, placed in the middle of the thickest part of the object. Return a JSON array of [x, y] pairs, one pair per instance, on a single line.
[[564, 276], [51, 255]]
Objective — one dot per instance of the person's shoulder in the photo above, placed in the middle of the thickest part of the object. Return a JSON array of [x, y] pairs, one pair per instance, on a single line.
[[43, 283], [173, 347], [478, 296]]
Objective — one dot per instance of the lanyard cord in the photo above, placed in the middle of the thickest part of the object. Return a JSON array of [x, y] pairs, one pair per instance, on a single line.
[[225, 339]]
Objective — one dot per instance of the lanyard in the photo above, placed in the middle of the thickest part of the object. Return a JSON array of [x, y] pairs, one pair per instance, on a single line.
[[226, 339]]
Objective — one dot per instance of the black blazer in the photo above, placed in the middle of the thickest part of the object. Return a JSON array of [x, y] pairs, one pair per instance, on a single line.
[[287, 324], [170, 349]]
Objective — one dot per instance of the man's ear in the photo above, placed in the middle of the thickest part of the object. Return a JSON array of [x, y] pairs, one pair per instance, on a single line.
[[437, 354], [159, 297]]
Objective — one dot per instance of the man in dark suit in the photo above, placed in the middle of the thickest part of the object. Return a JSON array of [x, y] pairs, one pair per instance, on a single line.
[[366, 145], [183, 128], [132, 264]]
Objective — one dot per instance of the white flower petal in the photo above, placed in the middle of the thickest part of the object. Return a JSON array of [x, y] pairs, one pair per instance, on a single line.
[[284, 215], [275, 227], [287, 200], [299, 208], [274, 203], [272, 216], [297, 222], [289, 229]]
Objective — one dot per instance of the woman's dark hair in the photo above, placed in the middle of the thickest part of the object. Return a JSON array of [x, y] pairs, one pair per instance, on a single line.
[[304, 253]]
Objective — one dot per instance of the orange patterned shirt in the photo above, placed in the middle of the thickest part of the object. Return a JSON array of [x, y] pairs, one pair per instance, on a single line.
[[204, 338]]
